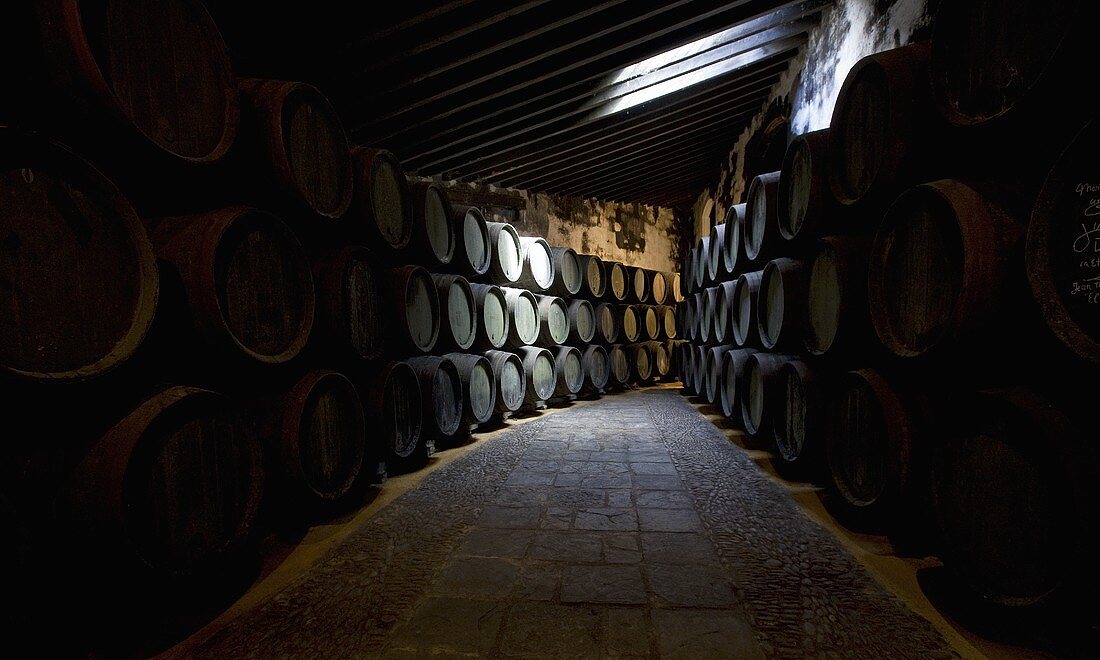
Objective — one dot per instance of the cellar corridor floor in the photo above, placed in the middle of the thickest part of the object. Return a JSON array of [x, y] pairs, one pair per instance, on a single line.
[[628, 527]]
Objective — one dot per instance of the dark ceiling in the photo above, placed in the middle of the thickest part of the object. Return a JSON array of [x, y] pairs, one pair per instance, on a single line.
[[534, 95]]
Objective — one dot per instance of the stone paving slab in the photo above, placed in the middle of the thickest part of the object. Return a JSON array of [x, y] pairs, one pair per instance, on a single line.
[[629, 527]]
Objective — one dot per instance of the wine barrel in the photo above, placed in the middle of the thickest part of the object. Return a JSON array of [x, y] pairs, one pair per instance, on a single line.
[[537, 264], [247, 281], [662, 359], [673, 350], [940, 265], [659, 288], [414, 321], [506, 254], [651, 324], [716, 314], [700, 263], [687, 273], [568, 272], [619, 366], [441, 395], [704, 317], [473, 246], [745, 297], [722, 315], [838, 314], [597, 367], [806, 206], [1063, 239], [383, 202], [302, 144], [553, 321], [319, 435], [629, 324], [712, 371], [675, 284], [760, 392], [349, 301], [509, 380], [79, 270], [458, 313], [523, 317], [1012, 492], [593, 277], [737, 219], [541, 373], [666, 318], [691, 324], [639, 284], [393, 405], [582, 322], [174, 487], [479, 388], [762, 217], [722, 236], [568, 371], [684, 364], [111, 66], [782, 303], [730, 392], [885, 130], [433, 237], [608, 323], [617, 282], [798, 418], [492, 316], [641, 360]]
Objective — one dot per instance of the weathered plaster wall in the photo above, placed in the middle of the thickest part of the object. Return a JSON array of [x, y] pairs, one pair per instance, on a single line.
[[849, 31]]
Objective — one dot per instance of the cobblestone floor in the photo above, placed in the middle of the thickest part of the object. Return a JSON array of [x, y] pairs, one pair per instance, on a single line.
[[630, 527]]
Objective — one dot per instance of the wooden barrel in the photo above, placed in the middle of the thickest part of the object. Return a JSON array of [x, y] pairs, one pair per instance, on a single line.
[[441, 395], [782, 303], [617, 282], [608, 323], [690, 327], [629, 323], [744, 323], [319, 435], [730, 390], [660, 289], [597, 367], [838, 315], [568, 371], [553, 321], [698, 369], [383, 201], [619, 366], [762, 217], [687, 273], [722, 314], [806, 206], [349, 301], [673, 349], [662, 359], [493, 321], [737, 219], [540, 371], [433, 239], [247, 281], [414, 319], [872, 440], [639, 284], [509, 380], [112, 65], [715, 315], [174, 487], [704, 317], [666, 318], [506, 254], [302, 143], [393, 403], [675, 283], [885, 130], [798, 418], [712, 371], [523, 317], [722, 236], [79, 269], [650, 322], [760, 395], [537, 264], [568, 272], [593, 277], [582, 322], [1063, 239], [473, 246], [478, 386], [1013, 493], [700, 263], [940, 265], [458, 313], [641, 360], [685, 362]]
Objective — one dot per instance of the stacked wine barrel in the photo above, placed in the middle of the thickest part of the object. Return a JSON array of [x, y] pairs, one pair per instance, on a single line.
[[920, 339], [221, 313]]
